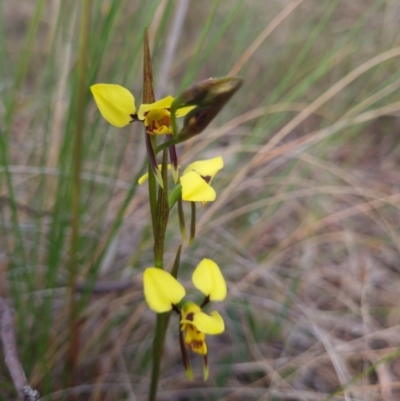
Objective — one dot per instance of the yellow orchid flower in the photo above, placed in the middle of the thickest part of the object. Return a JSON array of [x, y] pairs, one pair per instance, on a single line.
[[117, 106], [164, 293], [196, 324], [197, 177], [196, 180], [157, 116]]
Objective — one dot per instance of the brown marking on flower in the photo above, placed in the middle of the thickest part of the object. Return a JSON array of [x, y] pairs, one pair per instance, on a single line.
[[206, 178], [195, 344], [156, 120]]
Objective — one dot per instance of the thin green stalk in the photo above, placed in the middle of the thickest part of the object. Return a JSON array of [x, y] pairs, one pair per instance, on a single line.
[[76, 190], [151, 141], [175, 195], [161, 329], [159, 239], [192, 222], [166, 145], [159, 212], [158, 345], [161, 215], [152, 187], [181, 218]]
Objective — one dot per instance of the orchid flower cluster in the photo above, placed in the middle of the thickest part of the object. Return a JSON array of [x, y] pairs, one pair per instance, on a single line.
[[162, 291]]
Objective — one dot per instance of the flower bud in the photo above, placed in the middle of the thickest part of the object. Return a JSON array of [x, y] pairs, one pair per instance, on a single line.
[[209, 97]]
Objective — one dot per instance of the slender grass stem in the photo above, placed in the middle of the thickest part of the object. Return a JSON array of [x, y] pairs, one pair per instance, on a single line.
[[76, 190], [10, 103]]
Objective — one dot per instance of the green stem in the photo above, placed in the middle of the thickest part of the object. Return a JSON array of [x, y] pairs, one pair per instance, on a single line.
[[76, 190], [162, 214], [174, 195], [158, 345], [166, 145], [175, 268], [152, 187], [192, 222], [159, 216], [173, 121], [181, 218]]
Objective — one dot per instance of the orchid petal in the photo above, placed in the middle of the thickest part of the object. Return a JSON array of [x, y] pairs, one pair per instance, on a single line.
[[208, 279], [206, 168], [164, 103], [196, 189], [161, 290], [116, 103], [207, 324], [195, 340]]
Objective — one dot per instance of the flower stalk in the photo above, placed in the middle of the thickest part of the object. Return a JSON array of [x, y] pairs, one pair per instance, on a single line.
[[181, 216], [169, 184], [159, 212], [192, 222], [162, 214]]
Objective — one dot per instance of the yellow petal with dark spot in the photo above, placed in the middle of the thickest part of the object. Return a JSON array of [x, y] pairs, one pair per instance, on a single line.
[[195, 340], [116, 103], [196, 189], [209, 324]]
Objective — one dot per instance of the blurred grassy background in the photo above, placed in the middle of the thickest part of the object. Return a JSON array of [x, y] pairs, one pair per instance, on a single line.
[[305, 226]]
